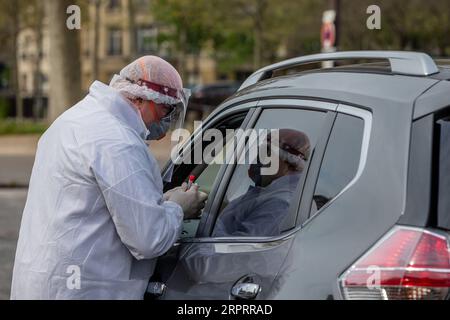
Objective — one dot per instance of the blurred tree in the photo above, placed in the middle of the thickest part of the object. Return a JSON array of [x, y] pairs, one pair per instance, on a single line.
[[241, 31], [11, 14], [96, 36], [187, 26], [65, 67], [303, 25], [15, 17], [406, 25], [267, 30], [242, 23], [251, 33], [131, 26], [35, 20]]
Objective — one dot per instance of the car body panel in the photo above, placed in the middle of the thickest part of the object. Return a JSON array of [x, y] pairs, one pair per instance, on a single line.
[[343, 230], [351, 88], [210, 270], [435, 99], [328, 244]]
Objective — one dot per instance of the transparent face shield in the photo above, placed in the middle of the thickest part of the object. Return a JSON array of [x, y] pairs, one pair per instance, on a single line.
[[175, 135], [177, 113], [165, 135]]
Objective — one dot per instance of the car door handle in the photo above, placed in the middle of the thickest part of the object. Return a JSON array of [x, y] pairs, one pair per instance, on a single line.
[[246, 291]]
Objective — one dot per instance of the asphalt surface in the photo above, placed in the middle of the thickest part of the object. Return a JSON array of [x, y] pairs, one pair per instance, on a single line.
[[12, 202], [15, 170]]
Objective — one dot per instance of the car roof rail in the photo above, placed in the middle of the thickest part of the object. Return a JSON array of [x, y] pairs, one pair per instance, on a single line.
[[402, 62]]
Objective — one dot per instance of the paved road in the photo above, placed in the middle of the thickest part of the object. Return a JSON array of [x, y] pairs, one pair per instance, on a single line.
[[15, 170], [12, 202]]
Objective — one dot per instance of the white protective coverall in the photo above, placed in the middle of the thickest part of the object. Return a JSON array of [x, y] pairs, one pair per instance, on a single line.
[[94, 206]]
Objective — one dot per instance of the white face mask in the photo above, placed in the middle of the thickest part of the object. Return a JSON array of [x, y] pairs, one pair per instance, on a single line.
[[156, 130]]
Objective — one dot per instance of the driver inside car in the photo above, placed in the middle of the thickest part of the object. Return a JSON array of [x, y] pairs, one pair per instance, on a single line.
[[263, 208]]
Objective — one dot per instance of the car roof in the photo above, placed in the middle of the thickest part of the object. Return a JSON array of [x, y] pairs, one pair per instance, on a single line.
[[382, 67], [343, 85], [358, 85]]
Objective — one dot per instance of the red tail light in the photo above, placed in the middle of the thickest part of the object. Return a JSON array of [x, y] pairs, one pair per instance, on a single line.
[[407, 263]]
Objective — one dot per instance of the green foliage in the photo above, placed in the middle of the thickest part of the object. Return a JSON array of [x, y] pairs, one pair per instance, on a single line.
[[232, 27], [26, 127], [232, 49], [186, 21], [241, 33], [406, 25], [4, 108]]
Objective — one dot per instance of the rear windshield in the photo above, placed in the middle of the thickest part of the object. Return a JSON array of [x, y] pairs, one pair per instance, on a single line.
[[443, 134]]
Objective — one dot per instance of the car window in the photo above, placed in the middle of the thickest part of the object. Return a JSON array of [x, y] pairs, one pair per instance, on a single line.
[[341, 159], [206, 178], [257, 203], [205, 173], [444, 173]]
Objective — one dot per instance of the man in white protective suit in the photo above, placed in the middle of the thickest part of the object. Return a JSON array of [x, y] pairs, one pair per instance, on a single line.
[[96, 218]]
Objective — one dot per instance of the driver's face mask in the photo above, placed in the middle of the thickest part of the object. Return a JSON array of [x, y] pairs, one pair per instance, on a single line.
[[254, 173]]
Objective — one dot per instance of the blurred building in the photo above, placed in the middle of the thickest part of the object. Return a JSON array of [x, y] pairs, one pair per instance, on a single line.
[[32, 62], [114, 33]]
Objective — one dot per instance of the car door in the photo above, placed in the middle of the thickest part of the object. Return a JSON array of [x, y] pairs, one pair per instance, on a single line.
[[243, 265], [330, 228]]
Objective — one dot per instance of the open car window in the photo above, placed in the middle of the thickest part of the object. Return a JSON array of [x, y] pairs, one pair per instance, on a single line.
[[257, 202], [206, 172]]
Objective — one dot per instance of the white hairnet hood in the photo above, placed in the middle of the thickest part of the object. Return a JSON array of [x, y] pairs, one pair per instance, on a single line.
[[151, 78]]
